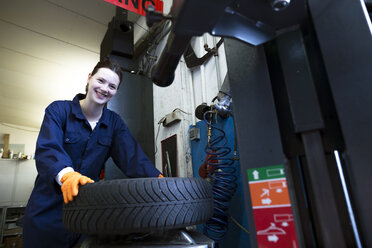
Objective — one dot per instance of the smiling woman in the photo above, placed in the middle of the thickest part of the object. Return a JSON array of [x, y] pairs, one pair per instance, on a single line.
[[76, 139], [103, 83]]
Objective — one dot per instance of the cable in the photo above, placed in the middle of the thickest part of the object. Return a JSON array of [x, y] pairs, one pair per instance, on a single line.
[[76, 13], [157, 133], [161, 121], [49, 36], [178, 109], [146, 29], [237, 223], [7, 125], [223, 178], [164, 25]]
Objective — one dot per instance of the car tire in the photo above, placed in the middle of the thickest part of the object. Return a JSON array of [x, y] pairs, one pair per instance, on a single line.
[[137, 205]]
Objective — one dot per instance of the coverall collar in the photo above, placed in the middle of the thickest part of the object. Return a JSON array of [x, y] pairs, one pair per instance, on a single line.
[[78, 112]]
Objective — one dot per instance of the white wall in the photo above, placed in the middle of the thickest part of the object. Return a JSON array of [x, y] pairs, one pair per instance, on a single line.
[[17, 177], [189, 89], [20, 135]]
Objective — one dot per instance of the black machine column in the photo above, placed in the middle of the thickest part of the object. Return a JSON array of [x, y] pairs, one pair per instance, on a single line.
[[346, 46], [254, 110], [310, 119]]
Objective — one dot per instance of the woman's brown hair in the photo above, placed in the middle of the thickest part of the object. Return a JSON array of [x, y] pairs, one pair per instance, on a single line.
[[112, 65]]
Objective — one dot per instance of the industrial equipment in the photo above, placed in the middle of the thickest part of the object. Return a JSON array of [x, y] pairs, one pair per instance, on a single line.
[[300, 76]]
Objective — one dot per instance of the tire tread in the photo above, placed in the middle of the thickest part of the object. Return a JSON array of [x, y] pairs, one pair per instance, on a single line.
[[138, 205]]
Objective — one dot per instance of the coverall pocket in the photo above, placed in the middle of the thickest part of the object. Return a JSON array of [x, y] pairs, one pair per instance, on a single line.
[[104, 140]]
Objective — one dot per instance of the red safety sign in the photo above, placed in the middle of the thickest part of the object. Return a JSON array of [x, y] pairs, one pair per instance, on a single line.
[[138, 6]]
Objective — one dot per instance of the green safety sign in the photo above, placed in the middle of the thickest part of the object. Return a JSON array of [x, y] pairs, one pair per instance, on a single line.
[[265, 173]]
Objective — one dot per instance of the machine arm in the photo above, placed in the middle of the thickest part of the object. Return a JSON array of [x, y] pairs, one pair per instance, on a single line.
[[162, 73]]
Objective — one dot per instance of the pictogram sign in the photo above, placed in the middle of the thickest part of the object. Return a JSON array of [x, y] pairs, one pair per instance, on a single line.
[[272, 209], [138, 6]]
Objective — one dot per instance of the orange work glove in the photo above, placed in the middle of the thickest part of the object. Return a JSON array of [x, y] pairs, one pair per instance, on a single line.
[[70, 184]]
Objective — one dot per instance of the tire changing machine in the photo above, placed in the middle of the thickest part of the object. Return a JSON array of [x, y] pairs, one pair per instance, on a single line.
[[177, 238], [300, 79]]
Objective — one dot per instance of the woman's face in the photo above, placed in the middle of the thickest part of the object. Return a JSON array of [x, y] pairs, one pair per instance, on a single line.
[[102, 86]]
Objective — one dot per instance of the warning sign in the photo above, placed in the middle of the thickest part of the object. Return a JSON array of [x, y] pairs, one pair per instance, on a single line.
[[269, 193], [138, 6], [272, 207], [275, 227]]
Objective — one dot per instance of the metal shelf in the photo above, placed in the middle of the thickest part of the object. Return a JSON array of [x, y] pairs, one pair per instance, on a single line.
[[4, 211]]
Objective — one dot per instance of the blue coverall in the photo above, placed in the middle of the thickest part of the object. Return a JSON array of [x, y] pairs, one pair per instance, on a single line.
[[67, 140]]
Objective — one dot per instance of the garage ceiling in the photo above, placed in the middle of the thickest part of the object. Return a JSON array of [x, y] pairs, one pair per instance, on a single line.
[[47, 49]]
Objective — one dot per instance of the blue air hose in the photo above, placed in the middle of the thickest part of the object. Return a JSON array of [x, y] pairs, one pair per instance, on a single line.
[[222, 177]]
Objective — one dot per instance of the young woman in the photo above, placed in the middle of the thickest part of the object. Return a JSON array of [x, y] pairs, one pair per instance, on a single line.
[[75, 140]]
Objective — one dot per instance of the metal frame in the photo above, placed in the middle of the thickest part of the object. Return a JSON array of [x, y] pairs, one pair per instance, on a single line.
[[2, 222], [302, 93], [175, 238], [349, 37]]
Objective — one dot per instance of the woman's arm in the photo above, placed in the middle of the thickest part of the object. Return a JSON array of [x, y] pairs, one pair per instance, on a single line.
[[128, 155], [50, 155]]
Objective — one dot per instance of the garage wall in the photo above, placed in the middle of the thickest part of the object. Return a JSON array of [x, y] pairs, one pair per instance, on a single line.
[[20, 135], [17, 177], [190, 88]]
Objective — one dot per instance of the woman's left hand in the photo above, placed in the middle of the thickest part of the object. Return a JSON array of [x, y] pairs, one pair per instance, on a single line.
[[70, 184]]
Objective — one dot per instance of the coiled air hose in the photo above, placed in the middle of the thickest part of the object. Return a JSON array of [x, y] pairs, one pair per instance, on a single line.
[[222, 177]]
